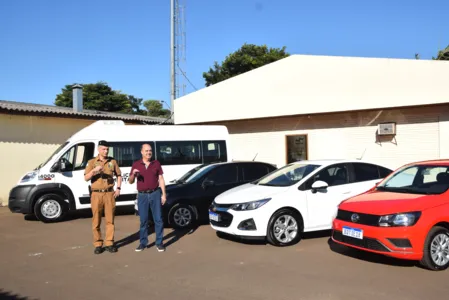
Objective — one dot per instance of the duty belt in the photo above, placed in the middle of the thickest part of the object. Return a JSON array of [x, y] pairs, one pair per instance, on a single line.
[[103, 191]]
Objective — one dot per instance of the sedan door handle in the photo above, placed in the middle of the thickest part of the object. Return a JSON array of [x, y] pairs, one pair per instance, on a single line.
[[346, 192]]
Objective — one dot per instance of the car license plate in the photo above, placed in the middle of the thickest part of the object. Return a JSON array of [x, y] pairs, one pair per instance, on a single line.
[[214, 217], [353, 232]]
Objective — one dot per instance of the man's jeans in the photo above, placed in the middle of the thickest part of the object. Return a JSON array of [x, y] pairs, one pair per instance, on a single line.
[[144, 203]]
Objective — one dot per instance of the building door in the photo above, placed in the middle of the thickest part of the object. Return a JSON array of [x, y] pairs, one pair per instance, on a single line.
[[296, 148]]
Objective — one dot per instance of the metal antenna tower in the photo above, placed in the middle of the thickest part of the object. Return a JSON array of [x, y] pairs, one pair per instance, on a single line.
[[178, 51]]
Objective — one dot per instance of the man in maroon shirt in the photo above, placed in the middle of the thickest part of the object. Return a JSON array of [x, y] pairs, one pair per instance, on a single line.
[[151, 193]]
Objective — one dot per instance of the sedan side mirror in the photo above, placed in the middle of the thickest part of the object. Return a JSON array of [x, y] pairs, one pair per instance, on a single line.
[[319, 185]]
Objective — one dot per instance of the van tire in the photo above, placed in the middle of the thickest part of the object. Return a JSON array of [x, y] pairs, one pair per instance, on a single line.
[[50, 208], [427, 261], [181, 213]]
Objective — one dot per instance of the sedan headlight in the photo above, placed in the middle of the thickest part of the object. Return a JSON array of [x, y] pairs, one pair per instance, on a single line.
[[401, 219], [29, 176], [250, 205]]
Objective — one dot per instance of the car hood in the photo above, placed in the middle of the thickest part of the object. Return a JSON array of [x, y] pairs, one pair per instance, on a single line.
[[381, 202], [248, 192]]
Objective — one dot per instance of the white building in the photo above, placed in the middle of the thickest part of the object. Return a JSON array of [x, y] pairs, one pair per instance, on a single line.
[[317, 107]]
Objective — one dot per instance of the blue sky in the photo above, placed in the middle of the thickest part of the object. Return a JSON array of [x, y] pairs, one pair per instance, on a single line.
[[46, 44]]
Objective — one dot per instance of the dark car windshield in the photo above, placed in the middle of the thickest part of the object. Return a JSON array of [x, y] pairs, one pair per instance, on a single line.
[[287, 175], [418, 179], [194, 173]]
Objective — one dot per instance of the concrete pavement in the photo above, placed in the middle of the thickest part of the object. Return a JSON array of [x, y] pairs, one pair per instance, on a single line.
[[56, 261]]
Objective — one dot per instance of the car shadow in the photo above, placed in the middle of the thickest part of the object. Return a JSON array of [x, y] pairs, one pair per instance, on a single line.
[[369, 256], [263, 241]]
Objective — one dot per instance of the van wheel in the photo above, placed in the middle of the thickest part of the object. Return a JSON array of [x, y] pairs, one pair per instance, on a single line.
[[436, 249], [284, 228], [50, 208], [182, 216]]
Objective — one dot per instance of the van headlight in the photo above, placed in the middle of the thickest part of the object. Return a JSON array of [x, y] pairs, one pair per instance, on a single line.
[[400, 219], [250, 205], [29, 176]]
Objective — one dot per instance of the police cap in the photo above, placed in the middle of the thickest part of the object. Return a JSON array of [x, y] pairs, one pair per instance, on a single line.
[[103, 143]]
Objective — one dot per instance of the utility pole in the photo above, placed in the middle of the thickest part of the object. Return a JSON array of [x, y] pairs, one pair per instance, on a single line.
[[172, 55]]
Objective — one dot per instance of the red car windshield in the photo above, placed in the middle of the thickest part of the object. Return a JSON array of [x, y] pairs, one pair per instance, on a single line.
[[418, 179]]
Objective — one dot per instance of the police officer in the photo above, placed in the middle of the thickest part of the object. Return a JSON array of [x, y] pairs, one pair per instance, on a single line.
[[100, 171]]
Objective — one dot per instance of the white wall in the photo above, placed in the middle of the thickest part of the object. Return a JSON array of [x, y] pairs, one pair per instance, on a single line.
[[420, 133], [305, 84]]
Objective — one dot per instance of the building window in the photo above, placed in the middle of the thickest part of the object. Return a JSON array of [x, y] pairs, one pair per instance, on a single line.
[[296, 148]]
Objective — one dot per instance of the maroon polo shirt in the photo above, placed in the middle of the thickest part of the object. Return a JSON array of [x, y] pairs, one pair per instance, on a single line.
[[148, 178]]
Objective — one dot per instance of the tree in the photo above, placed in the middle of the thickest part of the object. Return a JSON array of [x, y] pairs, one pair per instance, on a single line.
[[99, 96], [155, 109], [247, 58], [442, 54]]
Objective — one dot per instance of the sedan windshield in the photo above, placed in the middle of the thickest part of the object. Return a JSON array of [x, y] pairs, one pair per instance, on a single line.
[[418, 179], [287, 175], [194, 174]]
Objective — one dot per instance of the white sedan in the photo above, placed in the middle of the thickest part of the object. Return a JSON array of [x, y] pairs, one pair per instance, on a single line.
[[300, 197]]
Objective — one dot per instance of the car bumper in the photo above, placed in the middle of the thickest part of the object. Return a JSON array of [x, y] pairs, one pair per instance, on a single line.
[[399, 242], [239, 223], [18, 201]]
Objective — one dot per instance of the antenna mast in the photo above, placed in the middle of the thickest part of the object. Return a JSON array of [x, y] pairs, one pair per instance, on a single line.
[[177, 48]]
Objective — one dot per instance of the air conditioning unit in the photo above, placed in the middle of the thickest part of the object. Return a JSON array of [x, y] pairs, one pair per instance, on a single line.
[[386, 129]]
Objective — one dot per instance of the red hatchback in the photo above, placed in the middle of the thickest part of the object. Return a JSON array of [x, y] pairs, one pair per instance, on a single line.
[[405, 216]]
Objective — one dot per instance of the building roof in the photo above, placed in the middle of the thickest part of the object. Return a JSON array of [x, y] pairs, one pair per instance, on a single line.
[[67, 112], [308, 84]]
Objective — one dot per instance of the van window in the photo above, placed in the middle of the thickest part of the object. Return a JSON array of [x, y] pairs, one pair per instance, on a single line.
[[76, 157], [126, 153], [214, 151], [178, 152]]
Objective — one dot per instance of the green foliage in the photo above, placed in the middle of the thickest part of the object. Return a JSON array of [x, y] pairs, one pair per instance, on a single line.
[[442, 54], [155, 109], [97, 96], [247, 58]]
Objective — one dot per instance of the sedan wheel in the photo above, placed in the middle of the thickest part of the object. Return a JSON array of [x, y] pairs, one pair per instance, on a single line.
[[436, 249], [285, 228], [182, 216]]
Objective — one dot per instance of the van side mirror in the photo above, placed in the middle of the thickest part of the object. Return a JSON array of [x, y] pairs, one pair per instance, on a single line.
[[319, 185], [58, 166], [207, 183]]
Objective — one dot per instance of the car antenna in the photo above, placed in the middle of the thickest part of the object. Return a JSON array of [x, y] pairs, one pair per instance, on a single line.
[[255, 156], [362, 154]]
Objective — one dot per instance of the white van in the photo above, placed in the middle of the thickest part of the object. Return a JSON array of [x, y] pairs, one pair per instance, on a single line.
[[57, 185]]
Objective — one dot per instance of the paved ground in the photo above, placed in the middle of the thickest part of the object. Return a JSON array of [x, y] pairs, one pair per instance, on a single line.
[[56, 261]]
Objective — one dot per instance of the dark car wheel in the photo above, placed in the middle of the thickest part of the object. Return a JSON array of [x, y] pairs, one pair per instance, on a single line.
[[285, 228], [182, 216], [50, 208], [436, 249]]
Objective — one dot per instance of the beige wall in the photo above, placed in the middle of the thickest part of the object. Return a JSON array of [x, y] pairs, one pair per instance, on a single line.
[[420, 136], [308, 84], [26, 141]]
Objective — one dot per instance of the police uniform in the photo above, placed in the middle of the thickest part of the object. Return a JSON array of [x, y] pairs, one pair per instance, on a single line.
[[102, 198]]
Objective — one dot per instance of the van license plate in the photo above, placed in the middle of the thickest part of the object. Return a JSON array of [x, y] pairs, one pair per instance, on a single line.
[[214, 217], [353, 232]]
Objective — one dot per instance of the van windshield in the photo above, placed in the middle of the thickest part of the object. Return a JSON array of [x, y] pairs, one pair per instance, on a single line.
[[51, 156], [418, 179], [287, 175]]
